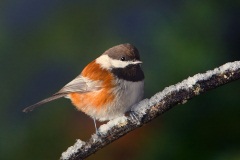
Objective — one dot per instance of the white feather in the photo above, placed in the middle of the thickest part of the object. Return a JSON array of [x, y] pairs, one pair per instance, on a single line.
[[107, 63], [104, 61], [128, 94]]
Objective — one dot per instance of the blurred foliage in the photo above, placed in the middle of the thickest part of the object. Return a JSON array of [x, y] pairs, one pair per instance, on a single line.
[[46, 43]]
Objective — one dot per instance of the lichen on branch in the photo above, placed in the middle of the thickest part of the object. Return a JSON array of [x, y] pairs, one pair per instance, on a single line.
[[148, 109]]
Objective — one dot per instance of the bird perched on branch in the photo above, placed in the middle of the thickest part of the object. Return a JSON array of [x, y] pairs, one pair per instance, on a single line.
[[107, 87]]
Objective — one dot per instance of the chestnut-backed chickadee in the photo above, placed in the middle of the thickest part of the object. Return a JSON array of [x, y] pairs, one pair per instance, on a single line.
[[107, 87]]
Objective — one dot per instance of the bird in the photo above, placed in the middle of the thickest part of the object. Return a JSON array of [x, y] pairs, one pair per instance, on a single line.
[[107, 87]]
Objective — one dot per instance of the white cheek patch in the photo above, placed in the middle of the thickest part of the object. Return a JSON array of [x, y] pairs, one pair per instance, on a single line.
[[119, 64], [122, 64], [106, 62]]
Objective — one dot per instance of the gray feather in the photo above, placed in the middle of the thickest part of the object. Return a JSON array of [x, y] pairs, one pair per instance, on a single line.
[[79, 84], [32, 107]]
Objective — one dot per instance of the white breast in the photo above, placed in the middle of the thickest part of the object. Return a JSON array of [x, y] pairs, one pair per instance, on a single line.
[[127, 93]]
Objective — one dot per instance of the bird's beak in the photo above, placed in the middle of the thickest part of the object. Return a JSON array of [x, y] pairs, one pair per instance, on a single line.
[[137, 62]]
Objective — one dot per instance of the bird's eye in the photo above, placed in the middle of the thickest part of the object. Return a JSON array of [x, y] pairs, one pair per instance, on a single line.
[[122, 58]]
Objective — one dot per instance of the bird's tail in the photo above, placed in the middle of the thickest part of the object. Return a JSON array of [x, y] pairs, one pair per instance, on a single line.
[[53, 97]]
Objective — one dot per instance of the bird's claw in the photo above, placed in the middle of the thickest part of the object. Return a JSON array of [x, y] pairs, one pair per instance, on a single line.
[[134, 117]]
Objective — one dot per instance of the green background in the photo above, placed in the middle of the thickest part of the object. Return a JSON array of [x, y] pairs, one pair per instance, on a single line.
[[46, 43]]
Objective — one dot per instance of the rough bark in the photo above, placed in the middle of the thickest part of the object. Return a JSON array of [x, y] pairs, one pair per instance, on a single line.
[[149, 109]]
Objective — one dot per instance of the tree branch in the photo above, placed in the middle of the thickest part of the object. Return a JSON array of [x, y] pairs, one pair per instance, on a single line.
[[148, 109]]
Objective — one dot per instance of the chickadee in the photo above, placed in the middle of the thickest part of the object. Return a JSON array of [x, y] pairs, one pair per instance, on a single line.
[[107, 87]]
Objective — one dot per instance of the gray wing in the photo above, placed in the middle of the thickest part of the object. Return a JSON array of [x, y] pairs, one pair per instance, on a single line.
[[79, 84]]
